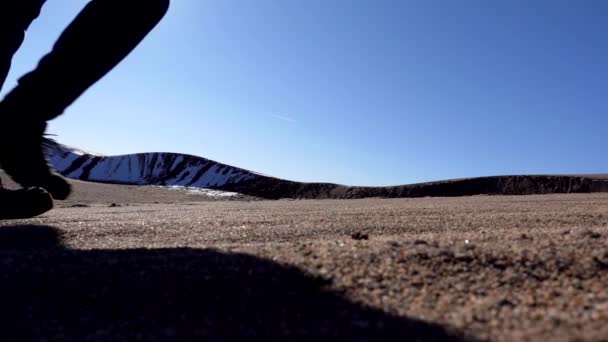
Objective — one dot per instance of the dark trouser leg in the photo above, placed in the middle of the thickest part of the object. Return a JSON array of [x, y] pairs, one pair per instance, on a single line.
[[15, 17], [103, 34], [97, 40]]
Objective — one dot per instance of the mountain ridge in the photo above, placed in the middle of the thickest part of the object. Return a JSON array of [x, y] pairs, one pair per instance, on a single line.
[[176, 169]]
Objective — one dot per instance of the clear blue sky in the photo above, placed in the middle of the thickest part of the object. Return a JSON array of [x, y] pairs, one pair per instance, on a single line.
[[354, 92]]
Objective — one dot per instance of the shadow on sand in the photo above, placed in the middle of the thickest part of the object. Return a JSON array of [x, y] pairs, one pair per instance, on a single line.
[[51, 292]]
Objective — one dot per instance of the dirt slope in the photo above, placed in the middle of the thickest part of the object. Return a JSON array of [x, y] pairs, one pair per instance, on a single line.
[[89, 193]]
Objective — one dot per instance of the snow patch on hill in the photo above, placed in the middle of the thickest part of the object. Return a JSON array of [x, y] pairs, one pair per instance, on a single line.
[[203, 192]]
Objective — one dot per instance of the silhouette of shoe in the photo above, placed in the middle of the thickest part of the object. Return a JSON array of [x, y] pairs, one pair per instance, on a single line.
[[22, 157], [23, 203]]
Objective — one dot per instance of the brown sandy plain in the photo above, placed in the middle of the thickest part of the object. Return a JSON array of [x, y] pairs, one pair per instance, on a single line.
[[127, 263]]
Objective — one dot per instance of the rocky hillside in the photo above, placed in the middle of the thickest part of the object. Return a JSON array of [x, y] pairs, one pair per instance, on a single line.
[[171, 169]]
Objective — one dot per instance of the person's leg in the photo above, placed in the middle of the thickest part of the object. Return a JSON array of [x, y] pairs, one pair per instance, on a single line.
[[103, 34], [15, 17]]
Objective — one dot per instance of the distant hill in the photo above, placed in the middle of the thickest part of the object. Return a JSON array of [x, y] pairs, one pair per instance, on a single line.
[[172, 169]]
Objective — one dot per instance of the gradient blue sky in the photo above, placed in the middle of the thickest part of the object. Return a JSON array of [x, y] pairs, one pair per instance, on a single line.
[[355, 92]]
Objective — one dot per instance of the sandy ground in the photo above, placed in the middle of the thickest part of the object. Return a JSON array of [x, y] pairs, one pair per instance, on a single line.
[[124, 263]]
